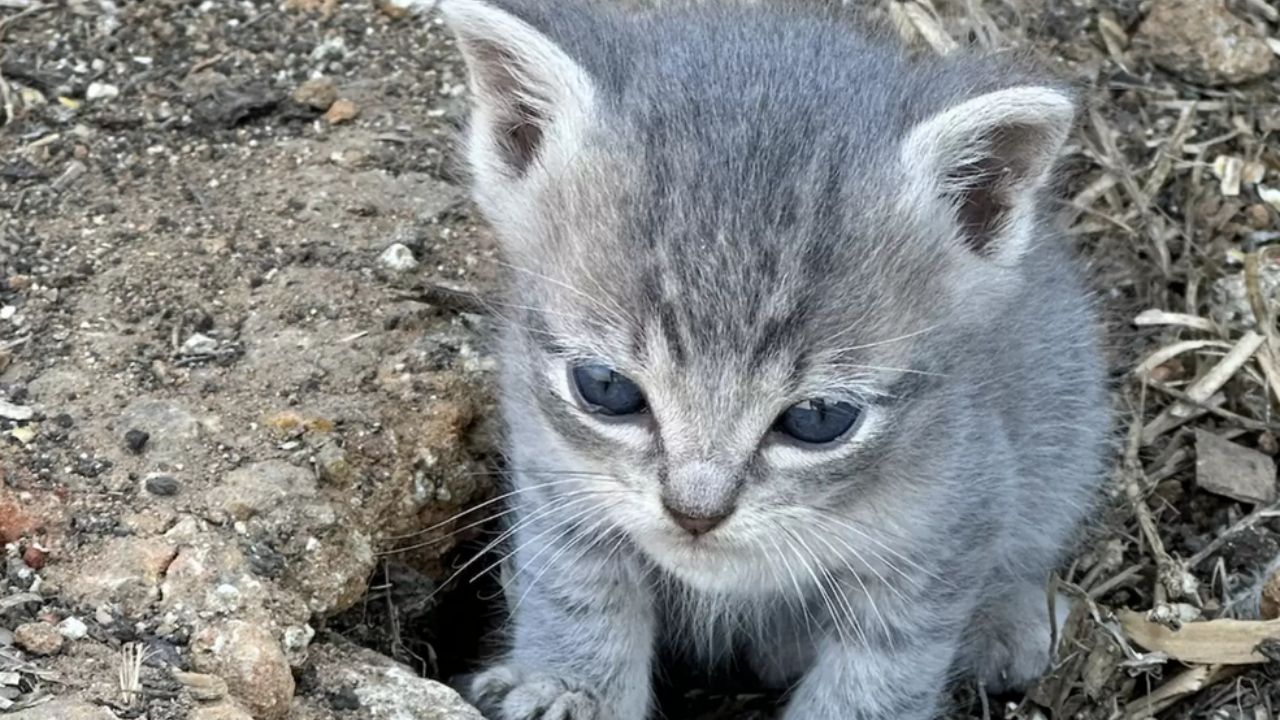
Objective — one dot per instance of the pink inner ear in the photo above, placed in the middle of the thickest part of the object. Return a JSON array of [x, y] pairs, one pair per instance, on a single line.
[[983, 189]]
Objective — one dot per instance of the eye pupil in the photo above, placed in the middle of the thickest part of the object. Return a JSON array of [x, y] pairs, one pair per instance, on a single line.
[[817, 420], [607, 392]]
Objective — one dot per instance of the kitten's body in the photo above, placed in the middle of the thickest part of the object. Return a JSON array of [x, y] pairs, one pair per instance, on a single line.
[[738, 210]]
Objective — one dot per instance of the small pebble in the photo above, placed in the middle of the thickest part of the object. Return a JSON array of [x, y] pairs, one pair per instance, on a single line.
[[64, 421], [399, 258], [317, 93], [22, 413], [101, 91], [73, 629], [38, 638], [200, 344], [341, 111], [1258, 216], [344, 699], [34, 557], [1269, 602], [136, 440], [163, 485], [104, 616]]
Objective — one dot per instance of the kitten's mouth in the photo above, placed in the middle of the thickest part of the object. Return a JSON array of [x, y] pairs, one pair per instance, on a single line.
[[680, 551], [667, 540], [711, 564]]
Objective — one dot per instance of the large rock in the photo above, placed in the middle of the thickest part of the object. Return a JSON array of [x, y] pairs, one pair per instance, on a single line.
[[124, 571], [1203, 42], [261, 488], [385, 689], [211, 577], [249, 658], [436, 474], [326, 556], [334, 574]]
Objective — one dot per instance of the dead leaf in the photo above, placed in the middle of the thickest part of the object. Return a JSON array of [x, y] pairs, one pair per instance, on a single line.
[[1233, 470], [1183, 684], [1212, 642]]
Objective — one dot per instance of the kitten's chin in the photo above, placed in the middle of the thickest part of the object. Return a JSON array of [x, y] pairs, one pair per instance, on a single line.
[[711, 565]]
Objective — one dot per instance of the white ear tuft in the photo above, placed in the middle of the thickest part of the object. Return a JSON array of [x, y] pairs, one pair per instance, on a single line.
[[987, 157], [525, 88]]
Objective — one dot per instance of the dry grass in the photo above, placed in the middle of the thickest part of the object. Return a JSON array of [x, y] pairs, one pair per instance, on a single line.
[[1170, 202]]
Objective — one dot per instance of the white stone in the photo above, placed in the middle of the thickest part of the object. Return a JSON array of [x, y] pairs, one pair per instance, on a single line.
[[399, 258], [73, 629], [20, 413], [101, 91], [199, 344]]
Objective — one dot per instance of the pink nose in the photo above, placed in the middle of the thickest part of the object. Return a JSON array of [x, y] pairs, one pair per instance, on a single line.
[[696, 525]]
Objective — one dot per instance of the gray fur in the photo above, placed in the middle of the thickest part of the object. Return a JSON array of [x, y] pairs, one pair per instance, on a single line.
[[726, 214]]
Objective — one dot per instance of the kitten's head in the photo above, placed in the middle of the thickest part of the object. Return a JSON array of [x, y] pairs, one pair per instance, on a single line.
[[744, 252]]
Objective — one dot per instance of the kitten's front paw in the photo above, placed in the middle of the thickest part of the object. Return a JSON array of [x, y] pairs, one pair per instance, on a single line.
[[1015, 650], [509, 693]]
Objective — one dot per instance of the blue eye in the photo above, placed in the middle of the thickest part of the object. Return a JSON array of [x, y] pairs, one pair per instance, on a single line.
[[606, 392], [817, 421]]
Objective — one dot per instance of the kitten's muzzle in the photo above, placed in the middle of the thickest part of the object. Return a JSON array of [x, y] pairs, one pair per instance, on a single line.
[[696, 524], [699, 496]]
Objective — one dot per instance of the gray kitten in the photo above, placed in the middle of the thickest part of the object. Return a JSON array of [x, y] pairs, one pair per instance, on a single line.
[[796, 365]]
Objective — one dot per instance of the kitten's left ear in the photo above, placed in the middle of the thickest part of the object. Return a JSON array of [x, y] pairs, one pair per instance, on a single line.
[[986, 158], [530, 97]]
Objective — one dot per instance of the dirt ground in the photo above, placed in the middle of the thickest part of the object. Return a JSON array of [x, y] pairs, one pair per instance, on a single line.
[[245, 377]]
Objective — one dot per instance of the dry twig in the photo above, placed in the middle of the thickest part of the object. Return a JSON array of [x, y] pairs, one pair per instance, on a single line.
[[1173, 582], [6, 99], [32, 10], [132, 656], [1269, 355], [1248, 521]]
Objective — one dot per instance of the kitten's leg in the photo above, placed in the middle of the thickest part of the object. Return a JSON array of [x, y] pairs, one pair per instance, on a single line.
[[583, 638], [1008, 643], [784, 648], [892, 671]]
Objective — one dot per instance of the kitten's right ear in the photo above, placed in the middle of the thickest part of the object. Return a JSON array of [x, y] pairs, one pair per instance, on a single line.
[[986, 158], [529, 96]]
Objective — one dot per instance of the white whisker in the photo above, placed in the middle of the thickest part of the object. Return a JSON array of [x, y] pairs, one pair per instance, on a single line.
[[862, 585], [593, 540], [562, 523], [540, 512], [878, 343], [869, 538], [477, 507], [795, 582]]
